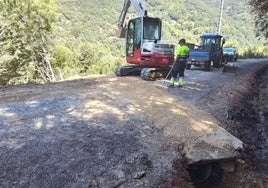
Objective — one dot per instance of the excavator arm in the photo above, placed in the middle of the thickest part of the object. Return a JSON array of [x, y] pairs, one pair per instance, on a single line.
[[140, 12]]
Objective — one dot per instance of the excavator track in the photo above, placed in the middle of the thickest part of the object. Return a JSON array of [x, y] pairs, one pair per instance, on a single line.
[[128, 70], [151, 74], [146, 73]]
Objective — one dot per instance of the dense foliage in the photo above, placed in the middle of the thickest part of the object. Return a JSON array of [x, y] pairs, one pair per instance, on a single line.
[[24, 40], [260, 10], [43, 40]]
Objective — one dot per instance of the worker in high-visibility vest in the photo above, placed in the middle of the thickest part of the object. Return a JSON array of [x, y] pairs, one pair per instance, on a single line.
[[179, 67]]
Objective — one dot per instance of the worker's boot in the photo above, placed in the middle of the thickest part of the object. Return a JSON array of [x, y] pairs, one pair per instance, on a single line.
[[181, 81], [171, 82]]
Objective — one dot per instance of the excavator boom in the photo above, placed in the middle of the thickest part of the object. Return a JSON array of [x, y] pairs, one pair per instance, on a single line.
[[140, 12]]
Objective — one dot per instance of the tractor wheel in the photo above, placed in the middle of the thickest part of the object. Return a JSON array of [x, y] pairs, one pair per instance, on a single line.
[[207, 65], [188, 66], [224, 60], [218, 62]]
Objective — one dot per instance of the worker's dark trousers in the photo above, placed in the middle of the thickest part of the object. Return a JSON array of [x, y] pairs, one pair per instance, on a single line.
[[178, 68]]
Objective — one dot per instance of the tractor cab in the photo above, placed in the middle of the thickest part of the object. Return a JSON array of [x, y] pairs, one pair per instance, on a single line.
[[209, 41]]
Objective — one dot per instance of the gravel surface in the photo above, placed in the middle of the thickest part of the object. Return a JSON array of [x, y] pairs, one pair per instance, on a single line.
[[123, 132]]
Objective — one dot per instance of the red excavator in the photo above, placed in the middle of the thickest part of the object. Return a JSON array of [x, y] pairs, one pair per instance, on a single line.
[[145, 52]]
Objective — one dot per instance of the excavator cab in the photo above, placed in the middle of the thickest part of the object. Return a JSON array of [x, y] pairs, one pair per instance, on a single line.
[[140, 30], [143, 43]]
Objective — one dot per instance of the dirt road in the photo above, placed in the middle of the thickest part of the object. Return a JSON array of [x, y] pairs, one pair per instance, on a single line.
[[121, 132]]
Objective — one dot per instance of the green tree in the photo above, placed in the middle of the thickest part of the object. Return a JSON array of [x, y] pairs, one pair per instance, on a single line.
[[260, 10], [25, 27]]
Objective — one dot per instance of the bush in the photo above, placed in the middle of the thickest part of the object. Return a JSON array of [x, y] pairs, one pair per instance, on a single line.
[[255, 52]]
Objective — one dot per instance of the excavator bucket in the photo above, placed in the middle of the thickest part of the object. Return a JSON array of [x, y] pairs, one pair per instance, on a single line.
[[121, 32]]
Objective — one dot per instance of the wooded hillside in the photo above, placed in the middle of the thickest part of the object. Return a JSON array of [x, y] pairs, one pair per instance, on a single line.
[[62, 38], [94, 23]]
